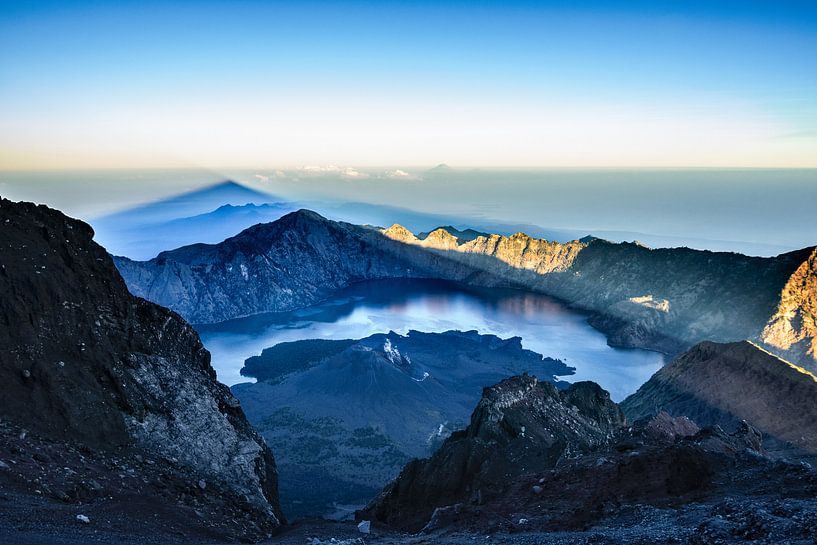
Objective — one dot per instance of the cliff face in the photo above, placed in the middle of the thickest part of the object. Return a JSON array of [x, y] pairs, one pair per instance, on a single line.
[[85, 361], [793, 327], [724, 384], [660, 299], [519, 426]]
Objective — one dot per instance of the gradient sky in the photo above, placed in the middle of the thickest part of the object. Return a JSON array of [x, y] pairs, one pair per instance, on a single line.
[[629, 83]]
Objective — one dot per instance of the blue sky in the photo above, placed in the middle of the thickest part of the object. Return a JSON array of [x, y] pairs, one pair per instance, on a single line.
[[104, 84]]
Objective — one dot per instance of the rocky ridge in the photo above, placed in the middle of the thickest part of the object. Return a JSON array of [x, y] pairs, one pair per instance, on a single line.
[[86, 362], [287, 264], [660, 299]]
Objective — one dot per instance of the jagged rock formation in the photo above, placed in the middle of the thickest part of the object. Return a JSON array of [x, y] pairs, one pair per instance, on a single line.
[[518, 251], [346, 415], [519, 426], [84, 361], [725, 384], [793, 327], [661, 299], [536, 460]]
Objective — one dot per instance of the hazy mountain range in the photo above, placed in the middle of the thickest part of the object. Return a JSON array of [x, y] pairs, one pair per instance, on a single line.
[[218, 211]]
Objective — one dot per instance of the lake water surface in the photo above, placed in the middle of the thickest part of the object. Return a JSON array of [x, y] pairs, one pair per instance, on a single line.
[[545, 326]]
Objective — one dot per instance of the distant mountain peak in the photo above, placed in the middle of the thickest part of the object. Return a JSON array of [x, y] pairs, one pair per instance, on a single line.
[[439, 169], [462, 235], [304, 214], [398, 232]]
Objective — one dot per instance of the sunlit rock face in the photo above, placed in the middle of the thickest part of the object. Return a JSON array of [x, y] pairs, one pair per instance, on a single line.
[[660, 299], [724, 384], [518, 251], [793, 327], [83, 360]]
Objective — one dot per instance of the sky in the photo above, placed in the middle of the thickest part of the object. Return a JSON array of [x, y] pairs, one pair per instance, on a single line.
[[256, 84]]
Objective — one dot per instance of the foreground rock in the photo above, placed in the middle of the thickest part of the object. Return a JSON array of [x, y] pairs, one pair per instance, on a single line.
[[562, 466], [520, 426], [346, 415], [661, 299], [724, 384], [86, 363]]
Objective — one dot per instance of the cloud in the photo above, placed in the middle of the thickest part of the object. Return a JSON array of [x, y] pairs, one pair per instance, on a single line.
[[349, 173], [401, 175]]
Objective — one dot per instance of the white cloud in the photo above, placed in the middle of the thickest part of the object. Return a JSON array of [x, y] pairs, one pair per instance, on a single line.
[[401, 175], [332, 170]]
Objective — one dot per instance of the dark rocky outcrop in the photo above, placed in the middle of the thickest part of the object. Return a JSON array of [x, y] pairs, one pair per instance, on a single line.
[[661, 299], [520, 426], [86, 362], [725, 384], [537, 460]]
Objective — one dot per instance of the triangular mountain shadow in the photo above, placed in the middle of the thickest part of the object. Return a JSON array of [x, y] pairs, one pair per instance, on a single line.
[[191, 203], [209, 214]]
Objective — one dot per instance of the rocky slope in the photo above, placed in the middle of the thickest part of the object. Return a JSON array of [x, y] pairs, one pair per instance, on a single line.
[[346, 415], [85, 362], [537, 460], [661, 299], [725, 384]]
